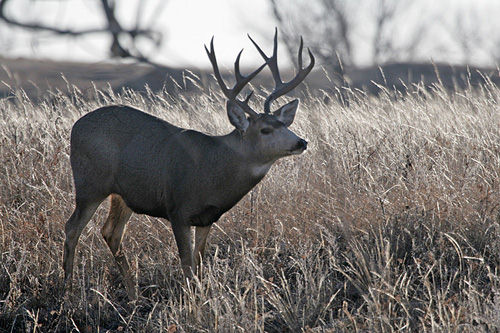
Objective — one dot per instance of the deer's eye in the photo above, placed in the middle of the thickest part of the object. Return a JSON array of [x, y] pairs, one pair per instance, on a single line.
[[266, 130]]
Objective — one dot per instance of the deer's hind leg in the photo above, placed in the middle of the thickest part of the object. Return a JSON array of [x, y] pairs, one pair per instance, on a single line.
[[112, 231], [74, 226]]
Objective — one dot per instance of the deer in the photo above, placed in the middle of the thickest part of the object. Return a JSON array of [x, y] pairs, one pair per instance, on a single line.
[[149, 166]]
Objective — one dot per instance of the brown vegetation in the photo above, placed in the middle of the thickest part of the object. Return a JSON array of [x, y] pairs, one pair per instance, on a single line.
[[390, 220]]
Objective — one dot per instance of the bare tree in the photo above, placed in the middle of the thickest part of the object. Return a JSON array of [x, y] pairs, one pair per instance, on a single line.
[[328, 35], [123, 40], [382, 43], [332, 25], [391, 16], [466, 30]]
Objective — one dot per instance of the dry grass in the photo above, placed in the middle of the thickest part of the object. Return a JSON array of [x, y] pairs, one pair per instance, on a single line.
[[390, 221]]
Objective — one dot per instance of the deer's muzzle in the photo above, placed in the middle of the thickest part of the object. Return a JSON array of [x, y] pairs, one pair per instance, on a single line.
[[299, 147]]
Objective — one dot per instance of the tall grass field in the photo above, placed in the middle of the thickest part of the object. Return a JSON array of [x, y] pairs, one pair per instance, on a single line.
[[389, 221]]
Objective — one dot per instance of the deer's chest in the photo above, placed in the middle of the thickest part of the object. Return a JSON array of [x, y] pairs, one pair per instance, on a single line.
[[208, 215]]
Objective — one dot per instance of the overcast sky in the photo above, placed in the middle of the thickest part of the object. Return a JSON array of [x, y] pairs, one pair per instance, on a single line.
[[188, 24]]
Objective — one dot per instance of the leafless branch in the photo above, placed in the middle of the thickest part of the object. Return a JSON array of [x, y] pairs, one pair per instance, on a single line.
[[113, 27], [41, 27]]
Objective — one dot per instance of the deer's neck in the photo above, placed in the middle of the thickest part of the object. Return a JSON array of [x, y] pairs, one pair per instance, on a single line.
[[249, 163]]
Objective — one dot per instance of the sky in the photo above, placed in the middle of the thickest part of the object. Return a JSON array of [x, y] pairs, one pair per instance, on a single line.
[[187, 25]]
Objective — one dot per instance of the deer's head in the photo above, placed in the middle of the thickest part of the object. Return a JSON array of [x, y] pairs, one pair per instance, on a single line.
[[266, 132]]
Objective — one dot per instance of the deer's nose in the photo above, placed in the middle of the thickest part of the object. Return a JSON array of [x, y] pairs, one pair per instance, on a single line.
[[302, 144]]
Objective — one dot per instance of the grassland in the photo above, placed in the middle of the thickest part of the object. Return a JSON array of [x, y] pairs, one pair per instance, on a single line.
[[389, 221]]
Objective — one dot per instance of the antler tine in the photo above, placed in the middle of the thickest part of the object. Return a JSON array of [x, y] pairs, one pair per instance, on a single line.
[[300, 52], [248, 97], [282, 88], [218, 77], [272, 61], [241, 80]]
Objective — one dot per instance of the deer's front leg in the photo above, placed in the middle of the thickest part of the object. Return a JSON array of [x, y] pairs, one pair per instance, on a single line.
[[182, 235], [200, 241]]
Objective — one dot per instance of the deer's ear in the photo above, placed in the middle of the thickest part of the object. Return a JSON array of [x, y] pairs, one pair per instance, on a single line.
[[286, 113], [237, 116]]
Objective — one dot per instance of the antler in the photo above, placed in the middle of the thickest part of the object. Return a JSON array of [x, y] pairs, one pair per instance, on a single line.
[[241, 80], [281, 87]]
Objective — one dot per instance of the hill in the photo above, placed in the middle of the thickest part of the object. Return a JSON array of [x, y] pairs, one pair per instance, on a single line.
[[37, 77]]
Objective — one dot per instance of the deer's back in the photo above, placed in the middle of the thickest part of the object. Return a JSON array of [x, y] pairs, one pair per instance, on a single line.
[[116, 125], [100, 139]]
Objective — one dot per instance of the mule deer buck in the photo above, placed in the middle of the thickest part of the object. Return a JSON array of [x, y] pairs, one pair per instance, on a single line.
[[149, 166]]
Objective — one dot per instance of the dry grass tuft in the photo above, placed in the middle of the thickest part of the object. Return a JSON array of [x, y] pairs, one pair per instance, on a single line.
[[389, 221]]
